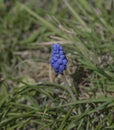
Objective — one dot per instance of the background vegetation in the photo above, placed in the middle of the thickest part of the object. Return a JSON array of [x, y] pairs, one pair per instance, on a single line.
[[32, 97]]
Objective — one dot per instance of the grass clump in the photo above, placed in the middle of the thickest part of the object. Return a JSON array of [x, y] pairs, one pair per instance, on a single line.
[[31, 96]]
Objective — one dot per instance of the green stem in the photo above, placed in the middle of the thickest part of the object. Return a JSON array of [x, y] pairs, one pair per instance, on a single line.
[[69, 88]]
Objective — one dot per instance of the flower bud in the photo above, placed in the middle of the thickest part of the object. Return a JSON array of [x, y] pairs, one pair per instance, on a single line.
[[58, 59]]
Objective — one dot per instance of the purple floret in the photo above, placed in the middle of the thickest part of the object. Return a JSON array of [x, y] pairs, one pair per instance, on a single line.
[[58, 60]]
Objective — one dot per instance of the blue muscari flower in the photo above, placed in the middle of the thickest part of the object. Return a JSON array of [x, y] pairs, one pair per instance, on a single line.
[[58, 60]]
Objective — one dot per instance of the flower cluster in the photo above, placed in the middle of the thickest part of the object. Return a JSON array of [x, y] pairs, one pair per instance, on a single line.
[[58, 60]]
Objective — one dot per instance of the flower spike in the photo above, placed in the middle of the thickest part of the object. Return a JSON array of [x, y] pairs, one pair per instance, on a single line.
[[58, 59]]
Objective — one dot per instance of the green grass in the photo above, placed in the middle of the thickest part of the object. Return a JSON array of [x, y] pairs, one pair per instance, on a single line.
[[30, 95]]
